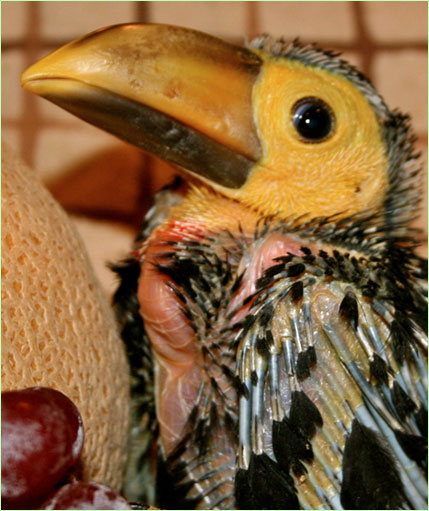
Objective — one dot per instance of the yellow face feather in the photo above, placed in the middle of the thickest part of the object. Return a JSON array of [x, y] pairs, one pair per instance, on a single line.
[[344, 174]]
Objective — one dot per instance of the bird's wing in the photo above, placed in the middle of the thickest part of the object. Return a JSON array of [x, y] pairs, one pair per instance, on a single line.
[[139, 480], [334, 408]]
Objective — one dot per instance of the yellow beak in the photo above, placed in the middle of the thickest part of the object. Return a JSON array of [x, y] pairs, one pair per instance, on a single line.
[[177, 93]]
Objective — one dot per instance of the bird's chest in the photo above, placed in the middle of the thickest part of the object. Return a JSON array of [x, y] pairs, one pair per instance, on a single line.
[[197, 293], [196, 289], [264, 345]]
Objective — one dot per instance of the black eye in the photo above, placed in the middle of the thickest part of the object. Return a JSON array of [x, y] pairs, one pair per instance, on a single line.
[[313, 119]]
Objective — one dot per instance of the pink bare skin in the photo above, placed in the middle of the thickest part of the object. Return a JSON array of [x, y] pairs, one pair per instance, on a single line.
[[258, 260], [179, 368], [178, 373]]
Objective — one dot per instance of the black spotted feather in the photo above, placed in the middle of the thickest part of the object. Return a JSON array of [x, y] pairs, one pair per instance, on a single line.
[[315, 368]]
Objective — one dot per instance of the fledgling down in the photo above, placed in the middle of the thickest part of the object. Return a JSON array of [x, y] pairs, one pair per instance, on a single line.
[[273, 308]]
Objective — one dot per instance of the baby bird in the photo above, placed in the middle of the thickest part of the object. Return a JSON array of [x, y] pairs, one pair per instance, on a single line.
[[273, 308]]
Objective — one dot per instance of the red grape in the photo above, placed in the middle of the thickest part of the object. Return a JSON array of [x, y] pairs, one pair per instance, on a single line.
[[42, 437], [86, 496]]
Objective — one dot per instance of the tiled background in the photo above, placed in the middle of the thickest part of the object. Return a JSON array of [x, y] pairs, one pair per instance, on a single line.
[[105, 184]]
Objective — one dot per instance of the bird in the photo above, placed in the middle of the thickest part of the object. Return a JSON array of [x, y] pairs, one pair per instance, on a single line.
[[273, 307]]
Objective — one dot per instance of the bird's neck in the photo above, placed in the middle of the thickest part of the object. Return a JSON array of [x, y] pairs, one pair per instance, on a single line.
[[204, 210], [212, 211]]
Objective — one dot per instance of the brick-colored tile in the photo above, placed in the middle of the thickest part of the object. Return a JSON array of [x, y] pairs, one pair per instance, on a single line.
[[311, 21], [223, 19], [60, 151], [401, 77], [105, 242], [397, 21], [12, 64], [54, 113], [13, 20], [68, 20]]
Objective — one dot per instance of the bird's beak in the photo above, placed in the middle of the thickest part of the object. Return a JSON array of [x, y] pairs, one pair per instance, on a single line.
[[177, 93]]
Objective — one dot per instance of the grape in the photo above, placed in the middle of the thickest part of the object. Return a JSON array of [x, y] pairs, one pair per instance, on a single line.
[[42, 437], [86, 496]]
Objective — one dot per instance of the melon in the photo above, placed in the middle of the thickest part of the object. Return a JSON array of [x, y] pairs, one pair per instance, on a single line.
[[58, 329]]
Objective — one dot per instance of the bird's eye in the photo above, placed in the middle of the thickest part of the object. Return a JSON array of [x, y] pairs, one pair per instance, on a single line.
[[313, 119]]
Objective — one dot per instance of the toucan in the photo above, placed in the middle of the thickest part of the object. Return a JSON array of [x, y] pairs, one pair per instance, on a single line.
[[273, 307]]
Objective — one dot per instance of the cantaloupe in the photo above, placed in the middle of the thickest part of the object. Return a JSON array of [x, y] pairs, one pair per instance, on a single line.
[[58, 329]]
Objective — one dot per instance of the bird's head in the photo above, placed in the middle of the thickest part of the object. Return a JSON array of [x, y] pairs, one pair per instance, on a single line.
[[285, 130]]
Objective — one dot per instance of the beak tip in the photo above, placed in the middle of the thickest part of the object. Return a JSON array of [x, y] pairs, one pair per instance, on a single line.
[[28, 83], [24, 78], [28, 78]]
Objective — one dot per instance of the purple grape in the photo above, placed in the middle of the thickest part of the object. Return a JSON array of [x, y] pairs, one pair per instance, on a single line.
[[42, 438], [82, 495]]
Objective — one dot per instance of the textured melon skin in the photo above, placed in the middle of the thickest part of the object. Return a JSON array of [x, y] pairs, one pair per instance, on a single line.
[[58, 329]]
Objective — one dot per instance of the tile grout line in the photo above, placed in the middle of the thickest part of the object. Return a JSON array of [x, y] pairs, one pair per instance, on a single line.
[[420, 45], [252, 20], [142, 12], [30, 120], [364, 41], [143, 15]]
